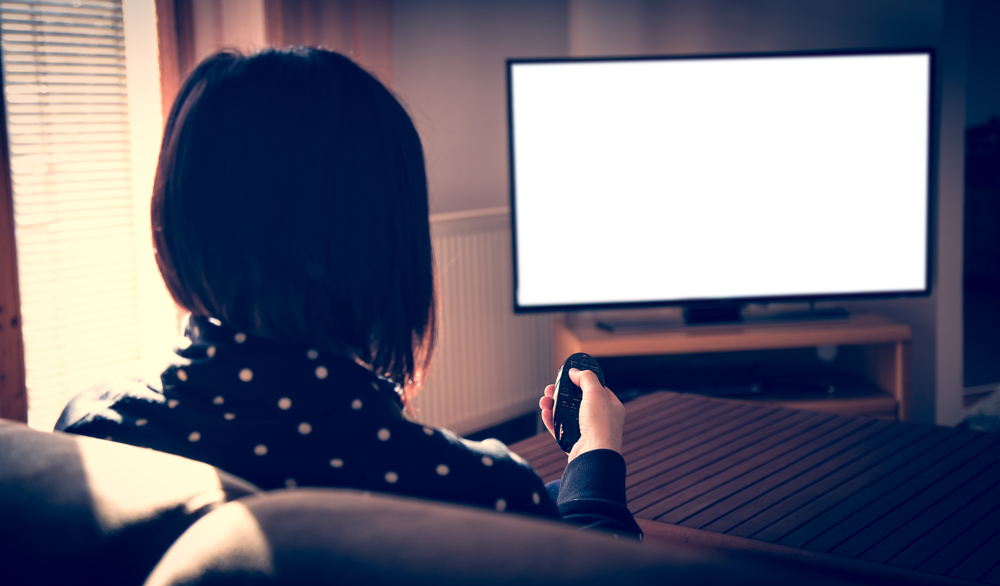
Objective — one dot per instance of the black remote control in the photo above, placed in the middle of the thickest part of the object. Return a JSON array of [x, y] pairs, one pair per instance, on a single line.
[[566, 411]]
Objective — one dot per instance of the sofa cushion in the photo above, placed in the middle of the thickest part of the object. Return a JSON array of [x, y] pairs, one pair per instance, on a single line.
[[86, 510], [339, 536]]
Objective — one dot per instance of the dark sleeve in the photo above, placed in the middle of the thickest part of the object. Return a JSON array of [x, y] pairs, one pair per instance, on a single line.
[[90, 412], [592, 494]]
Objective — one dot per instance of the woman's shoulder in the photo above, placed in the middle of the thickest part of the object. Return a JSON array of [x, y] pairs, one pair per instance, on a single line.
[[420, 460], [109, 399]]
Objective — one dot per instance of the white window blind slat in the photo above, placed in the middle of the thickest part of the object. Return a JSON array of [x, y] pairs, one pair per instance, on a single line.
[[104, 172], [74, 130], [95, 61], [67, 107], [74, 118], [72, 198], [53, 18], [77, 166], [29, 189], [63, 59], [99, 6], [84, 48], [69, 239], [83, 310], [73, 164]]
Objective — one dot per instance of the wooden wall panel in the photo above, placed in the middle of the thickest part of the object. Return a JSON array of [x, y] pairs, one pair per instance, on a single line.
[[13, 395]]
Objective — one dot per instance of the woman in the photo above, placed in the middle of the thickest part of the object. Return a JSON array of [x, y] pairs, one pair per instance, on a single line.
[[290, 217]]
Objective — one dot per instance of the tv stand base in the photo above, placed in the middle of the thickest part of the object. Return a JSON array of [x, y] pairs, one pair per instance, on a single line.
[[875, 348], [726, 315]]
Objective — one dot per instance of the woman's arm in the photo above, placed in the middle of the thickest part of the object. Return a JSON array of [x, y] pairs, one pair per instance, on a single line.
[[602, 415], [592, 491]]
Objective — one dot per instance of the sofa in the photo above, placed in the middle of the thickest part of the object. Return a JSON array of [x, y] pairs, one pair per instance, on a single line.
[[77, 510]]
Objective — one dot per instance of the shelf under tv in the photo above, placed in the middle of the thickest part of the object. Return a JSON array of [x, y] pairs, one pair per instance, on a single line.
[[870, 348]]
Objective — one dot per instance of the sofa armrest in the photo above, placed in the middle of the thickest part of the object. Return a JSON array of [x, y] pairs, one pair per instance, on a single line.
[[326, 536], [74, 507]]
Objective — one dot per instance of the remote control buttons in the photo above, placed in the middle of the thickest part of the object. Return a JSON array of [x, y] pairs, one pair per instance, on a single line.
[[568, 396], [570, 403]]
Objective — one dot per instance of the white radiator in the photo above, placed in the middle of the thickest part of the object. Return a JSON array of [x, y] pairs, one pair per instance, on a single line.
[[490, 365]]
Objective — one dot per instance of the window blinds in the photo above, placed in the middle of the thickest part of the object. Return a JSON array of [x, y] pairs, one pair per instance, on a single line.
[[67, 113]]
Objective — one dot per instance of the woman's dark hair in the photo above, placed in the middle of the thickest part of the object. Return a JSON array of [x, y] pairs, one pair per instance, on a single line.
[[291, 202]]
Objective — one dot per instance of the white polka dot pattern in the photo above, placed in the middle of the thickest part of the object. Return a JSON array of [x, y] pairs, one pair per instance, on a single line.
[[343, 440], [348, 427], [240, 337]]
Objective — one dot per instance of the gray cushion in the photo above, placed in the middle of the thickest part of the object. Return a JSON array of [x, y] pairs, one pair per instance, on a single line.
[[84, 511], [327, 536], [78, 509]]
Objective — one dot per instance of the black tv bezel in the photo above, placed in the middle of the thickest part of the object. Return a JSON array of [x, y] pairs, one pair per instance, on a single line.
[[932, 156]]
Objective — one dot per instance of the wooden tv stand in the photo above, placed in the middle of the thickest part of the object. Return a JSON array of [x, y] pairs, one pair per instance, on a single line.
[[880, 351]]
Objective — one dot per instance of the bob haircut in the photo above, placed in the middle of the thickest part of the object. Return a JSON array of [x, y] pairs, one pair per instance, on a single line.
[[290, 202]]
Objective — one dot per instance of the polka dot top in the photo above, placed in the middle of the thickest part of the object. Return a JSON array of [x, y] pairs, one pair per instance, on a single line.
[[286, 417]]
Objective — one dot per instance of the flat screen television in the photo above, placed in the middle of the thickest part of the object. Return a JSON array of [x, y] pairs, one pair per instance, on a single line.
[[717, 181]]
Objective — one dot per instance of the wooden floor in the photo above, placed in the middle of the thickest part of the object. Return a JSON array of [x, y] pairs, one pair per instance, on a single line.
[[903, 499]]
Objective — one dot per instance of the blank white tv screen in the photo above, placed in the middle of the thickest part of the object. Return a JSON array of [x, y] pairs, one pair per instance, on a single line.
[[740, 178]]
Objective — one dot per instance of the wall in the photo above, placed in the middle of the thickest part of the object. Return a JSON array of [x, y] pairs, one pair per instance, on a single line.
[[449, 69], [359, 29], [449, 59], [983, 87], [601, 28], [447, 66], [227, 24], [782, 25]]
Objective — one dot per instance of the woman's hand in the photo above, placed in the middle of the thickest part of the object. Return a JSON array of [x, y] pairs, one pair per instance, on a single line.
[[602, 416]]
